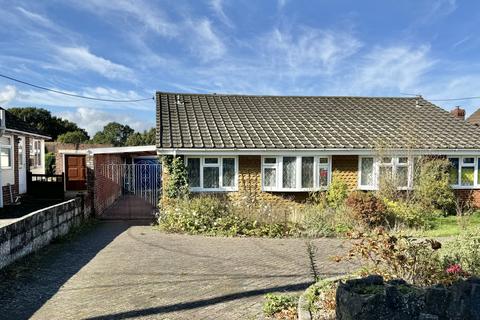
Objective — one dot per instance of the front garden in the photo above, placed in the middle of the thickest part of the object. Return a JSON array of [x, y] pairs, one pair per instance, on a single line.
[[381, 225]]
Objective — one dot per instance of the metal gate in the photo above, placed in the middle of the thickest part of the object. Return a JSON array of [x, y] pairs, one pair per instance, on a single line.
[[128, 190]]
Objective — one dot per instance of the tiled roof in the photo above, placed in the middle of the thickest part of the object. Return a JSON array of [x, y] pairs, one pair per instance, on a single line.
[[279, 122], [474, 118], [14, 123]]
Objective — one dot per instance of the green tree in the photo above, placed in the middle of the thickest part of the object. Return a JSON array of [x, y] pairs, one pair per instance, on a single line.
[[76, 137], [142, 139], [113, 133], [50, 163], [43, 120]]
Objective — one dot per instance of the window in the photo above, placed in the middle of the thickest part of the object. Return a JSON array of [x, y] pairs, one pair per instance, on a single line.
[[35, 153], [373, 171], [20, 153], [6, 152], [212, 173], [295, 173], [464, 172]]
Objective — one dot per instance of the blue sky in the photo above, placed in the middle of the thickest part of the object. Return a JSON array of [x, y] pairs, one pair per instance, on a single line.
[[129, 49]]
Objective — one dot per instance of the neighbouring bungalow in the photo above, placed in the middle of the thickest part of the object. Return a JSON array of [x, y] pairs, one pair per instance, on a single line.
[[21, 151], [282, 147]]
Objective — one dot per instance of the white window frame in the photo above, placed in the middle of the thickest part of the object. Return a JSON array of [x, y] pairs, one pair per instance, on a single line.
[[377, 164], [298, 173], [8, 146], [476, 182], [36, 153], [220, 173]]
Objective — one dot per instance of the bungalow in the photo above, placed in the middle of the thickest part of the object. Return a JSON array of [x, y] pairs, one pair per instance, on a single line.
[[21, 150], [282, 147]]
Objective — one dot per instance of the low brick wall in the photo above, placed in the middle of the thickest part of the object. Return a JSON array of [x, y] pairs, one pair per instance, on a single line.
[[39, 228]]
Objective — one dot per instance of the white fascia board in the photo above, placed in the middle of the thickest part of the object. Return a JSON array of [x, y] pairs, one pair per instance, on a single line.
[[73, 151], [24, 133], [112, 150], [362, 152]]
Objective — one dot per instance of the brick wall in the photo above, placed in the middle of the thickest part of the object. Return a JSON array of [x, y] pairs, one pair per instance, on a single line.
[[106, 186], [56, 146], [472, 196]]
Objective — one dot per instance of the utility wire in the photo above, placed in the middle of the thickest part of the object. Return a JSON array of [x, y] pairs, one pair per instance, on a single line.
[[455, 99], [72, 94]]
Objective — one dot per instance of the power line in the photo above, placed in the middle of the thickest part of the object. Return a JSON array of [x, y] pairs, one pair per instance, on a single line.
[[72, 94], [455, 99]]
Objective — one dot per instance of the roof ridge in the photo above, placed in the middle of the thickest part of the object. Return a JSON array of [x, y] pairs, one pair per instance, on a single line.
[[282, 96]]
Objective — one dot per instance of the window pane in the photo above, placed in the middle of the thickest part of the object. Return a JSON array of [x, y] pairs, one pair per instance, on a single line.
[[454, 171], [270, 177], [228, 172], [323, 160], [5, 157], [387, 160], [385, 173], [193, 167], [289, 172], [211, 160], [366, 178], [323, 176], [403, 160], [210, 177], [307, 172], [467, 176], [468, 160], [402, 176], [270, 160]]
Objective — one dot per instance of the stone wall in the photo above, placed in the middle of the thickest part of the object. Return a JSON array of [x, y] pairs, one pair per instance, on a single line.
[[372, 298], [39, 228]]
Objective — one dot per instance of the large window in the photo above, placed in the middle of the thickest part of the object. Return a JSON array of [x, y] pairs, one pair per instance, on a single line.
[[464, 172], [212, 173], [295, 173], [374, 170], [6, 152]]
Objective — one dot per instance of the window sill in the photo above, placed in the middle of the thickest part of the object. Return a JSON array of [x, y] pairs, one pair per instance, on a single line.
[[213, 190], [294, 190], [465, 187]]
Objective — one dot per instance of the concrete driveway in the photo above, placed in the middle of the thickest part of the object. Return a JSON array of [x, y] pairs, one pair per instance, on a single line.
[[116, 270]]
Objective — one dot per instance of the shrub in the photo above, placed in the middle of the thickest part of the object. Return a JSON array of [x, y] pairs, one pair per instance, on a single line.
[[286, 305], [50, 163], [463, 251], [177, 182], [324, 221], [215, 215], [408, 214], [366, 207], [432, 185], [337, 192], [417, 262]]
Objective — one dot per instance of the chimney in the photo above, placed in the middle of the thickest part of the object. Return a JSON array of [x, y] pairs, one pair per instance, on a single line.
[[458, 113]]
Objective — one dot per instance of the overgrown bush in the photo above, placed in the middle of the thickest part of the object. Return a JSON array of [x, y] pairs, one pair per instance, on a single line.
[[177, 183], [366, 207], [337, 192], [432, 185], [408, 214], [50, 163], [324, 221], [281, 306], [463, 251], [215, 215]]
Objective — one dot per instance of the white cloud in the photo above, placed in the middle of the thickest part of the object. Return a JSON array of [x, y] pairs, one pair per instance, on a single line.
[[147, 15], [94, 120], [37, 18], [217, 7], [308, 51], [7, 94], [206, 43], [80, 58], [396, 69]]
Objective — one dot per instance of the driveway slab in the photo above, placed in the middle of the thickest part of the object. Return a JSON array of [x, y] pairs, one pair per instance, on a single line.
[[116, 270]]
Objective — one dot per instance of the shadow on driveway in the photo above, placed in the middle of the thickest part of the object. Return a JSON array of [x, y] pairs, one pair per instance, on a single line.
[[29, 283]]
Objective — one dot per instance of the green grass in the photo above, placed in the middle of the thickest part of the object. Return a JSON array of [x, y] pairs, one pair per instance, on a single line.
[[450, 226]]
